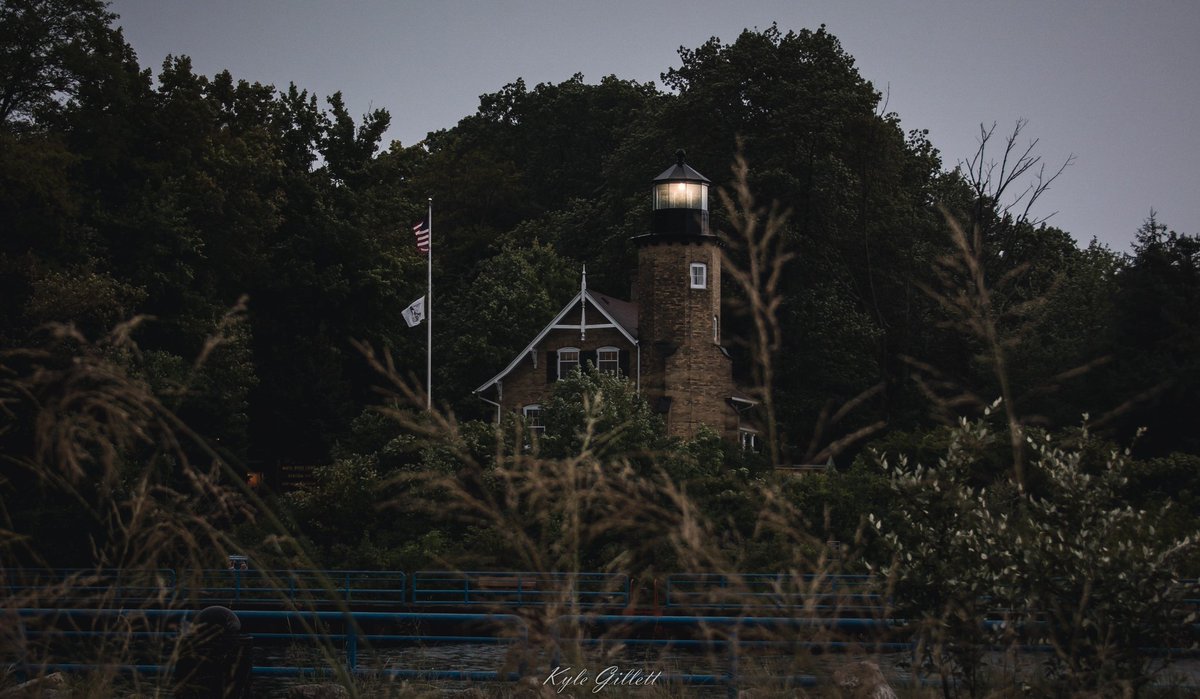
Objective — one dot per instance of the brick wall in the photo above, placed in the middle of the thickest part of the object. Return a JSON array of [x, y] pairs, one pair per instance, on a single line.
[[681, 359], [526, 384]]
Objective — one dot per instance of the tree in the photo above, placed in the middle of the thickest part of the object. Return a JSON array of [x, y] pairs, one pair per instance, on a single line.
[[45, 46], [859, 190], [990, 288], [602, 414], [491, 318], [1157, 311]]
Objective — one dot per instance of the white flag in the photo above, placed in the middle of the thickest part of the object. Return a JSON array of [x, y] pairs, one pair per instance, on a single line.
[[415, 313]]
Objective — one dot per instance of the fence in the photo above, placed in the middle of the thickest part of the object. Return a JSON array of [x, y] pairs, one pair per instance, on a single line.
[[350, 630], [755, 593], [499, 588], [856, 595]]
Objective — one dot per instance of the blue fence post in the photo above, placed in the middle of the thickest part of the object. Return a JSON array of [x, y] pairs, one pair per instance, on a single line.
[[523, 665], [351, 643], [732, 682], [556, 657], [26, 670]]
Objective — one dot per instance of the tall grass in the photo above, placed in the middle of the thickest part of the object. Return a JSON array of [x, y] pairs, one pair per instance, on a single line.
[[595, 510], [84, 430], [101, 474]]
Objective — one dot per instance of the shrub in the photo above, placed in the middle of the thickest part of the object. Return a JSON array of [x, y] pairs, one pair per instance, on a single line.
[[1069, 566]]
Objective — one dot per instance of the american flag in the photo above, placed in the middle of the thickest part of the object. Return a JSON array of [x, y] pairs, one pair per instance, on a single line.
[[421, 230]]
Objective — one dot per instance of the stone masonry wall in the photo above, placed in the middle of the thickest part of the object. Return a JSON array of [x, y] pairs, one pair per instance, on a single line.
[[681, 359], [527, 385]]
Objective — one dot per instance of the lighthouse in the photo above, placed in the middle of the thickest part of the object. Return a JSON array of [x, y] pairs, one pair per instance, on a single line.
[[687, 376], [666, 341]]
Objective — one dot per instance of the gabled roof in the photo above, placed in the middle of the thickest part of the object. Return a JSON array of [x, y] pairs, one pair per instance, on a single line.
[[620, 314], [623, 313]]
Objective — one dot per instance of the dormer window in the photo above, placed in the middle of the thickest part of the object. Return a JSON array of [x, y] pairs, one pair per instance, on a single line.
[[568, 360], [699, 275]]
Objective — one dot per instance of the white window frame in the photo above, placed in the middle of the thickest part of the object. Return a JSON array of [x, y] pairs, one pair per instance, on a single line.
[[574, 363], [700, 280], [614, 364], [533, 419]]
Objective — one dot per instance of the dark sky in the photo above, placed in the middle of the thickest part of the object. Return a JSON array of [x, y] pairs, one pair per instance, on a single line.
[[1116, 83]]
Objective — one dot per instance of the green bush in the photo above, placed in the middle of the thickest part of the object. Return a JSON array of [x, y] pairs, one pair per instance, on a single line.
[[1070, 566]]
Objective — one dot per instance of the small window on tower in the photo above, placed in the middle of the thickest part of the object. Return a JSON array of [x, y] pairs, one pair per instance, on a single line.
[[699, 275], [717, 329]]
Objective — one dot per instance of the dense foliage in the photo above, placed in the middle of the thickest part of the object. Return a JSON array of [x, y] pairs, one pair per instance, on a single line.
[[1074, 568], [257, 231], [174, 195], [197, 271]]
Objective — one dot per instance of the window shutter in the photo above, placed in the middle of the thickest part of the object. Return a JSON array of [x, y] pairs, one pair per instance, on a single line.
[[551, 366], [623, 362]]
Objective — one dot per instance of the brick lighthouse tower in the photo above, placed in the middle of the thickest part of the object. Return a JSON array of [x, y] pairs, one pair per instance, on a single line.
[[686, 375]]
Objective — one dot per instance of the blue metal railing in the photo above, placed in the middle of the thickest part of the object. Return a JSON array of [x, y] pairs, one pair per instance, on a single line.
[[114, 585], [516, 589], [728, 635], [346, 630], [749, 594], [774, 591], [298, 586]]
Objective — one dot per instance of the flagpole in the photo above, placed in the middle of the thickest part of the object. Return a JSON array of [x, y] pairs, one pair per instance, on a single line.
[[429, 318]]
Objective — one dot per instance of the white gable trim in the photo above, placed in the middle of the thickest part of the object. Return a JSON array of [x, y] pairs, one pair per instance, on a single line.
[[584, 296]]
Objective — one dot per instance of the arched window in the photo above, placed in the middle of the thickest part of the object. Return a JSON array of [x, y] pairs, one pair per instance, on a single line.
[[568, 360], [699, 275]]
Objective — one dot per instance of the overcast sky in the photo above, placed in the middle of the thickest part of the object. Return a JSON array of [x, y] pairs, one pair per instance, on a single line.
[[1116, 83]]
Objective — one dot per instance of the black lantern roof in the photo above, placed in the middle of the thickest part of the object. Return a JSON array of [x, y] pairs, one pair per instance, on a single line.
[[681, 172], [680, 207]]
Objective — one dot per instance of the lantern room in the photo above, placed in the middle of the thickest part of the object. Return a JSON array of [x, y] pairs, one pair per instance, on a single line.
[[680, 201]]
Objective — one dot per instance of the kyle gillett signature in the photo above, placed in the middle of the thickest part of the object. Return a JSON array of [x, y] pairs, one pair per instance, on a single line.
[[612, 676]]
